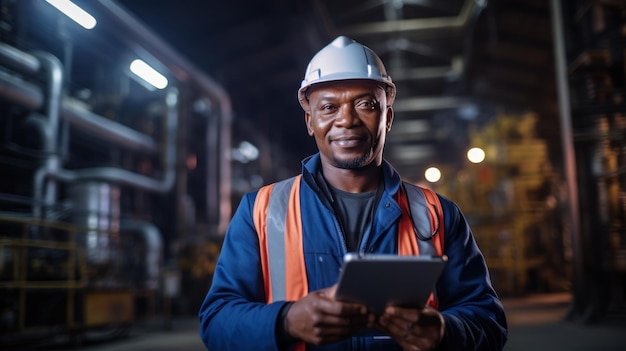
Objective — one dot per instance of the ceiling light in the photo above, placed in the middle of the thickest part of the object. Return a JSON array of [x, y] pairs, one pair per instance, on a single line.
[[476, 155], [74, 12], [148, 74], [432, 174]]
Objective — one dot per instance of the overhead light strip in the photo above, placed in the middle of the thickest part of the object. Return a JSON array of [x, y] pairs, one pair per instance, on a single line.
[[148, 74], [74, 12]]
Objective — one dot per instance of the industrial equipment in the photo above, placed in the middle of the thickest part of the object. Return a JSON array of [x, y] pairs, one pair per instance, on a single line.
[[94, 201]]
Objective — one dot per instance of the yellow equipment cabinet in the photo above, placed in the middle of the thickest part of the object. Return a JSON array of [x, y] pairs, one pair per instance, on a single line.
[[108, 307], [512, 203], [45, 288]]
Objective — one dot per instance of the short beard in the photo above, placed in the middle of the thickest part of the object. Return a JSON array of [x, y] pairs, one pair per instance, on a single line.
[[354, 163]]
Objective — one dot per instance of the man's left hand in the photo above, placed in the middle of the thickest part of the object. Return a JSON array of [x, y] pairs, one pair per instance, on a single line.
[[413, 329]]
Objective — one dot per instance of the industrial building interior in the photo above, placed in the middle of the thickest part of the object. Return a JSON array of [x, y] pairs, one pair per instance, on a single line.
[[115, 195]]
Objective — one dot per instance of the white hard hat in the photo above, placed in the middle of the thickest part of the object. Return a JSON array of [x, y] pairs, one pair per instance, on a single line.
[[344, 59]]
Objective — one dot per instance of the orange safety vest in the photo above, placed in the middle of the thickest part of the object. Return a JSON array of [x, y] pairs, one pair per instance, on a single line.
[[279, 228]]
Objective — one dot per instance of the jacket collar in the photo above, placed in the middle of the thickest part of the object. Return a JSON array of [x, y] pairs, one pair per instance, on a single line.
[[311, 167]]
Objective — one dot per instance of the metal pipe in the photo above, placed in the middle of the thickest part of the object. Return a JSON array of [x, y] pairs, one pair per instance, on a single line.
[[118, 175], [109, 130], [212, 138], [54, 85], [107, 174], [151, 236], [224, 168], [31, 96], [569, 158], [18, 60], [40, 124], [184, 71], [17, 90], [119, 134]]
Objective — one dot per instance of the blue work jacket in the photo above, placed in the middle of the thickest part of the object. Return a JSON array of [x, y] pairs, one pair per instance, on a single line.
[[235, 316]]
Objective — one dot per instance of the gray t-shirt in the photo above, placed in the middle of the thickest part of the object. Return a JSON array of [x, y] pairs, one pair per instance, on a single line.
[[355, 211]]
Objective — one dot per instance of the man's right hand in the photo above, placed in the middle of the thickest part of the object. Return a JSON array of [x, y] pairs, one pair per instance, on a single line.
[[319, 319]]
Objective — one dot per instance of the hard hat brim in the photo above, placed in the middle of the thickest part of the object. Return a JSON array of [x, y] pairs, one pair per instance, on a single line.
[[390, 88]]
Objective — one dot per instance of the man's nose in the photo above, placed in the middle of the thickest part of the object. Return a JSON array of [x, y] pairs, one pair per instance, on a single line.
[[347, 116]]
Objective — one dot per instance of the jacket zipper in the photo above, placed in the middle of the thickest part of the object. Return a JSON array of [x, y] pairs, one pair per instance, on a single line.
[[340, 233]]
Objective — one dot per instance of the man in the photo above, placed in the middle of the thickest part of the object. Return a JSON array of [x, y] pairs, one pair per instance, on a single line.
[[346, 200]]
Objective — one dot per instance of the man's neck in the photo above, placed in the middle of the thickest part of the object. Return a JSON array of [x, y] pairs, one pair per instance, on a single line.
[[352, 180]]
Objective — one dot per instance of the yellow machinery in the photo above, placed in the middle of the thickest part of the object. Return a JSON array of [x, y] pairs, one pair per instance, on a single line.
[[512, 201], [47, 278]]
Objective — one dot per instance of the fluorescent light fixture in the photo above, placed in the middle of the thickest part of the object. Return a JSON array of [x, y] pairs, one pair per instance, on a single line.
[[149, 74], [74, 12]]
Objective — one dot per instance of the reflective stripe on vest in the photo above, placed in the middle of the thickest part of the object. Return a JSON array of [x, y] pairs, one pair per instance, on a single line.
[[422, 208], [279, 227]]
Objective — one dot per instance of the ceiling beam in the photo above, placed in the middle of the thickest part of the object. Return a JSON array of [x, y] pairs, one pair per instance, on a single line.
[[429, 103], [415, 24], [451, 73]]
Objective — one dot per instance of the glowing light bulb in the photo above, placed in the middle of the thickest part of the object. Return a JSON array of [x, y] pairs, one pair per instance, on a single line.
[[476, 155], [432, 174]]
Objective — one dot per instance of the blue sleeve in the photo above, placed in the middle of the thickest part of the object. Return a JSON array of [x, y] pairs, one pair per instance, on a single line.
[[473, 314], [234, 315]]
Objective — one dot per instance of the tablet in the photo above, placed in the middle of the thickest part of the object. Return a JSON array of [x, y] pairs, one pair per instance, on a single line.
[[379, 280]]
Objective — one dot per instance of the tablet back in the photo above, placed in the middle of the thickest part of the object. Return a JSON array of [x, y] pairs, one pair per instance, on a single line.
[[378, 281]]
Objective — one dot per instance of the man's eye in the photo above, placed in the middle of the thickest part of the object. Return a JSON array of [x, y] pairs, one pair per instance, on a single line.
[[367, 104], [328, 107]]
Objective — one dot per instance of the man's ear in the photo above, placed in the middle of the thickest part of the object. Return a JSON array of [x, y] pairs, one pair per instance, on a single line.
[[307, 121], [389, 118]]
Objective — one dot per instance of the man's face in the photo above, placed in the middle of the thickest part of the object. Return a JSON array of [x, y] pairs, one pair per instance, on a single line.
[[349, 121]]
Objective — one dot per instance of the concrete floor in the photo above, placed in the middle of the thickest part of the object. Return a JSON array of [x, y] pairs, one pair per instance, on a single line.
[[536, 323]]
